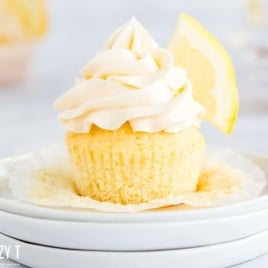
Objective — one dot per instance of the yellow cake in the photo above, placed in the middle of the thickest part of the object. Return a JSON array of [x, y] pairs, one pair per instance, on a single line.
[[129, 167]]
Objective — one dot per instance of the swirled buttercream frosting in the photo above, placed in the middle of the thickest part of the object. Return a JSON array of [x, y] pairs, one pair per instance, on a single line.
[[130, 80]]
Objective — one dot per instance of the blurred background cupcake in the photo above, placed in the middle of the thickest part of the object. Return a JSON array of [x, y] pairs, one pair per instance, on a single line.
[[22, 23]]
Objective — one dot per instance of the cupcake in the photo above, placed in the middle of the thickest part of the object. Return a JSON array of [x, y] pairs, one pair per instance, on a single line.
[[21, 23], [132, 122]]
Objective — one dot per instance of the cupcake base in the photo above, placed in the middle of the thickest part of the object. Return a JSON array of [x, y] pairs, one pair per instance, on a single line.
[[129, 167]]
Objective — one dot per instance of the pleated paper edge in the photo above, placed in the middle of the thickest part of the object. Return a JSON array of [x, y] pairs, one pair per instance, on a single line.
[[20, 173]]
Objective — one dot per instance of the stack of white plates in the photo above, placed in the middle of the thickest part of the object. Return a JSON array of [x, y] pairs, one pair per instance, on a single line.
[[171, 237]]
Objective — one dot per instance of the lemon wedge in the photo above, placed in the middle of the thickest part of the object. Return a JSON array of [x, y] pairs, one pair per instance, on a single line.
[[31, 14], [210, 70]]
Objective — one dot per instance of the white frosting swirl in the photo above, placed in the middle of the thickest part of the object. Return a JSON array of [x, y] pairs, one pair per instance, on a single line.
[[130, 80]]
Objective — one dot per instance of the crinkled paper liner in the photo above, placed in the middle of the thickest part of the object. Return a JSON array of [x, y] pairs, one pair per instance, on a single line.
[[45, 178]]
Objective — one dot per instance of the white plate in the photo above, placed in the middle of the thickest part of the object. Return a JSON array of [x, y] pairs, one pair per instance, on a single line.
[[220, 255], [132, 236], [177, 213]]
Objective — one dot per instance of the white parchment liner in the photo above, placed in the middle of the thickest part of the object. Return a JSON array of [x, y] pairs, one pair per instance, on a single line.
[[45, 178]]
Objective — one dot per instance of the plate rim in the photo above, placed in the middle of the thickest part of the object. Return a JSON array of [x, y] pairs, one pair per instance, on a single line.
[[167, 254]]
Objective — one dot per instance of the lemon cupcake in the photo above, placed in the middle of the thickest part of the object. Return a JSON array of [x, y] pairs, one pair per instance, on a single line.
[[132, 122]]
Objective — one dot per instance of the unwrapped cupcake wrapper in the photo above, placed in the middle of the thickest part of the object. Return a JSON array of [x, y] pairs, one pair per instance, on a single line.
[[45, 178]]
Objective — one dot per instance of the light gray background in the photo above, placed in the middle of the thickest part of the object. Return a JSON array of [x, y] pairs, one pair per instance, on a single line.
[[78, 28]]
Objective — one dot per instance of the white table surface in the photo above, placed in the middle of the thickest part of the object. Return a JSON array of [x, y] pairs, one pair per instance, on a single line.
[[27, 119]]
